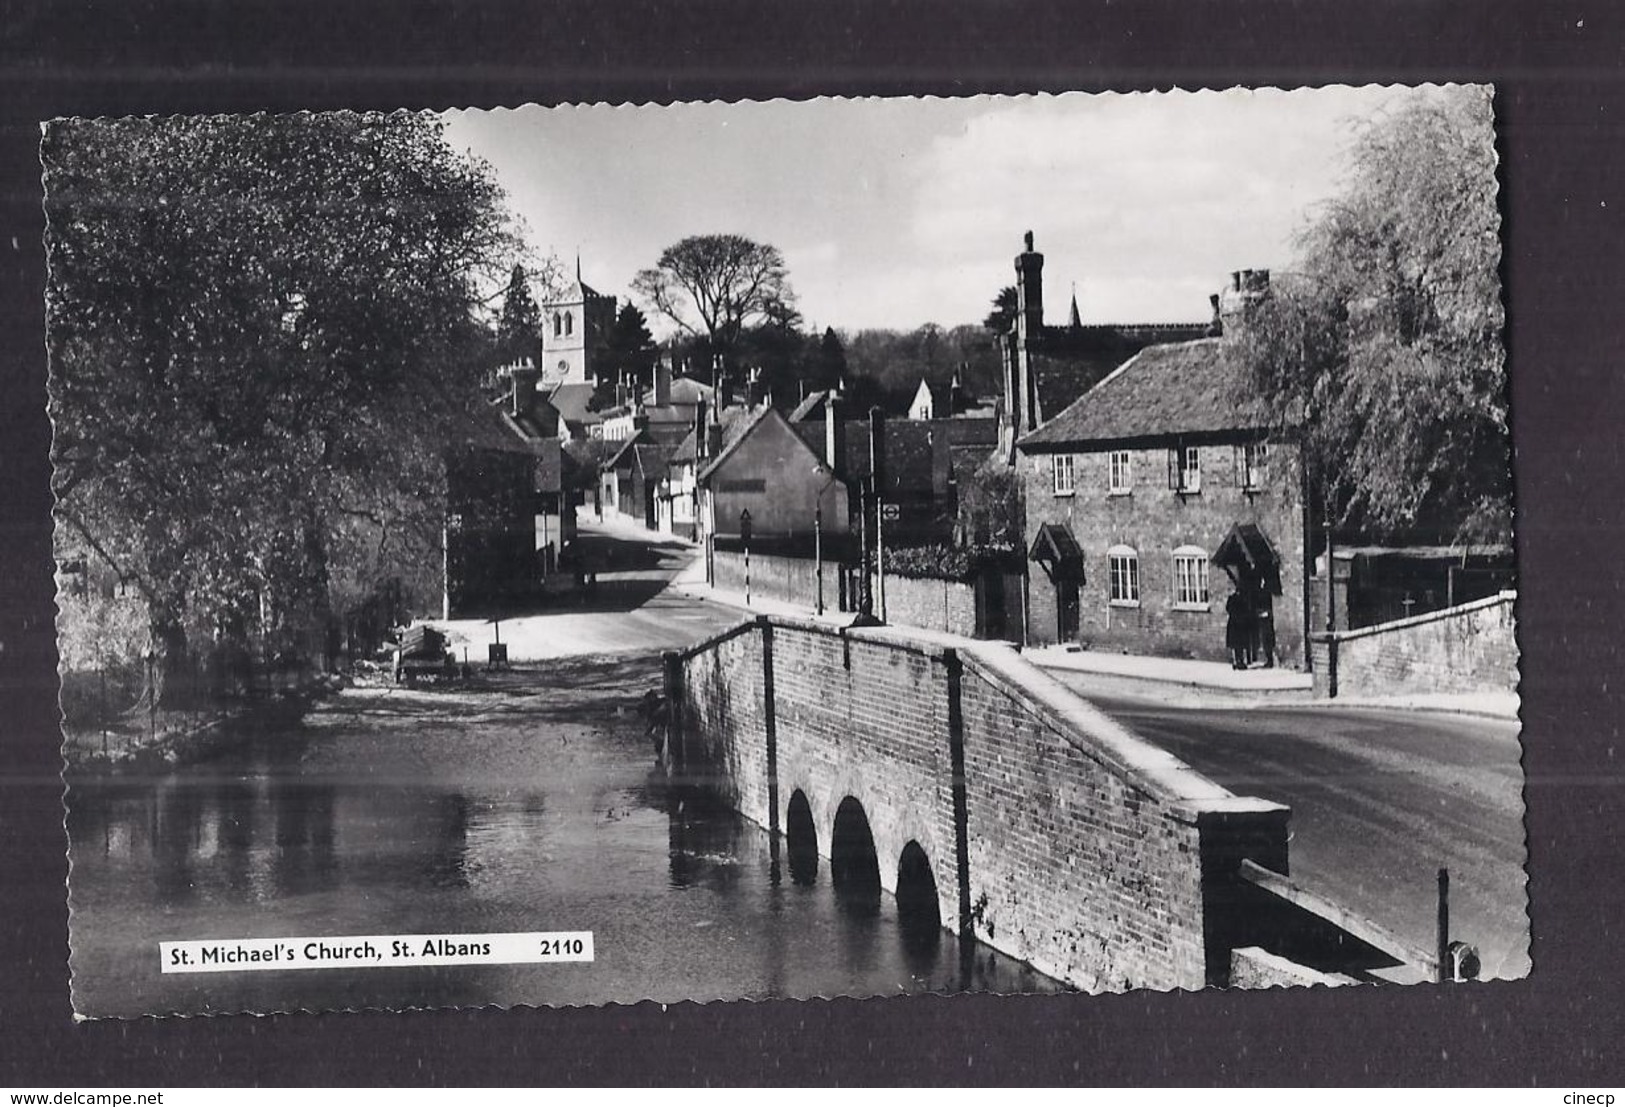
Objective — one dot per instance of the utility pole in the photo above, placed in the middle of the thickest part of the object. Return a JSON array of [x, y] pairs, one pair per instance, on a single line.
[[877, 477], [818, 550]]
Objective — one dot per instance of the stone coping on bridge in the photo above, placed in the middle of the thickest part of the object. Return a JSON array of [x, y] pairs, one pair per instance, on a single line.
[[1186, 793], [1507, 597]]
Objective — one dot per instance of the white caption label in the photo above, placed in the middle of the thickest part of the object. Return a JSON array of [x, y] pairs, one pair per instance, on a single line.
[[375, 951]]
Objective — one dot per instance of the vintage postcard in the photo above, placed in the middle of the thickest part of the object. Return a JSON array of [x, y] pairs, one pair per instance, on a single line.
[[857, 547]]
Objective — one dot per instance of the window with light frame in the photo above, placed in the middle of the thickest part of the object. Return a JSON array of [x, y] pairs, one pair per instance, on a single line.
[[1064, 474], [1123, 576], [1190, 579], [1120, 479]]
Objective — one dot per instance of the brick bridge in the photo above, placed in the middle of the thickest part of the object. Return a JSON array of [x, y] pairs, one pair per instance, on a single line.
[[989, 799]]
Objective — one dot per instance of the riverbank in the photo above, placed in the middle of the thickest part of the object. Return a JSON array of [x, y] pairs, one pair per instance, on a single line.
[[141, 740]]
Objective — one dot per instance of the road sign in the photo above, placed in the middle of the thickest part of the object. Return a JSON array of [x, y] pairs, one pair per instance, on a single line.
[[891, 512]]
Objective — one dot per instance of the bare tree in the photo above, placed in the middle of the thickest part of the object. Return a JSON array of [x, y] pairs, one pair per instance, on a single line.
[[713, 285]]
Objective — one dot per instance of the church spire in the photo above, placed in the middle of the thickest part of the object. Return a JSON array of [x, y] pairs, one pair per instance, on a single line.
[[1074, 320]]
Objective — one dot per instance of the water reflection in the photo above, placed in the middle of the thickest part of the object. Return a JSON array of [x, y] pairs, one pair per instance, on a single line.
[[446, 833]]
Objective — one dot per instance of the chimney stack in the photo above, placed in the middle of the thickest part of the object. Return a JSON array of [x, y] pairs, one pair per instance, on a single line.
[[1029, 325], [523, 376], [700, 428], [1232, 306], [662, 383], [834, 433]]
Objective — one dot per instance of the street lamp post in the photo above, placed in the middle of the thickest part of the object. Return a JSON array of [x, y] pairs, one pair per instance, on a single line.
[[818, 532], [818, 551]]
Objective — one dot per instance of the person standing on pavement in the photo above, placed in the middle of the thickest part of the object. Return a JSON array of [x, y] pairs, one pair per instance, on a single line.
[[1235, 630]]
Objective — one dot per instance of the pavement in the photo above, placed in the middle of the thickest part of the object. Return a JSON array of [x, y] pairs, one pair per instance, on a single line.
[[647, 583], [1185, 682]]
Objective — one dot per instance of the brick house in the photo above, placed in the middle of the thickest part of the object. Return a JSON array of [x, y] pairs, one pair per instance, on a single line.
[[923, 463], [765, 467], [1155, 497]]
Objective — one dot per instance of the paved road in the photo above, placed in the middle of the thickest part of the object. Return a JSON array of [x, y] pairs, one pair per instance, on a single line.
[[629, 607], [1380, 801]]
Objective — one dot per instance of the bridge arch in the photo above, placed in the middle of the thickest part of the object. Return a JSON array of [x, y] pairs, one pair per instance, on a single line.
[[801, 839], [854, 867], [919, 905]]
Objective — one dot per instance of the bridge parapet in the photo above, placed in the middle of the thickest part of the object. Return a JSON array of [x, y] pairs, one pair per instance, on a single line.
[[1053, 833]]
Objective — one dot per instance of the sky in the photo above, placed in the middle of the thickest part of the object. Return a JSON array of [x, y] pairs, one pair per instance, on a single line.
[[898, 212]]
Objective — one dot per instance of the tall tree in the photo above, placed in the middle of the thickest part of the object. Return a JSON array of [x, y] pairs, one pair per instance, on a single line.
[[715, 286], [1003, 314], [831, 359], [1386, 351], [255, 327], [519, 327], [628, 352]]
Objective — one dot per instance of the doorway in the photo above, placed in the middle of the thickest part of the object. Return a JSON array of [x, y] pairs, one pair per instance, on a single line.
[[1066, 605]]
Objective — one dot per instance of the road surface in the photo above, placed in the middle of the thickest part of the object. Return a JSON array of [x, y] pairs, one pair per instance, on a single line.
[[630, 605], [1380, 799]]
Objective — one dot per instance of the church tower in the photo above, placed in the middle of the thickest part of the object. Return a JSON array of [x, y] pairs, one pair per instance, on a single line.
[[575, 324]]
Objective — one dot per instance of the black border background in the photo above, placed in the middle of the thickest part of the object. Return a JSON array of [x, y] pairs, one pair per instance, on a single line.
[[1557, 68]]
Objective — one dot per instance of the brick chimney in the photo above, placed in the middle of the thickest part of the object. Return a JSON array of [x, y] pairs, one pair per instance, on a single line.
[[1029, 325], [523, 374], [1240, 297], [662, 383], [834, 433]]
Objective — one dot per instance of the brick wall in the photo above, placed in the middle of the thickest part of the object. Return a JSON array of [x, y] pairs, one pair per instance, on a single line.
[[945, 605], [789, 579], [1053, 833], [1469, 648], [1153, 520]]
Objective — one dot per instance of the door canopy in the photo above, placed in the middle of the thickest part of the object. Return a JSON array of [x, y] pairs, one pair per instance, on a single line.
[[1247, 554], [1056, 550]]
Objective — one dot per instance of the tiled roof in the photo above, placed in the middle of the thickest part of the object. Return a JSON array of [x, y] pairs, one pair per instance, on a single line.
[[651, 458], [733, 433], [1199, 387], [812, 402], [1068, 361], [571, 402], [491, 428], [921, 454]]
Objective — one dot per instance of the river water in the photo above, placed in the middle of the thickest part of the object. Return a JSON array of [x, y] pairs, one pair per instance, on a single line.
[[527, 802]]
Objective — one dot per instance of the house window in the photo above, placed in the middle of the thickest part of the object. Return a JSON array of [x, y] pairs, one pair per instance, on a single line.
[[1123, 576], [1190, 578], [1185, 469], [1063, 474], [1254, 465], [569, 323], [558, 325], [1120, 482]]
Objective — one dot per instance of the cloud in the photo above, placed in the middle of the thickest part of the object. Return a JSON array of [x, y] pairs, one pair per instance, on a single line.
[[1153, 193]]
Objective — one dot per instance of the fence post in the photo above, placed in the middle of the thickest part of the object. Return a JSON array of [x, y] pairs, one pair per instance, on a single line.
[[671, 664], [956, 757], [1444, 926]]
